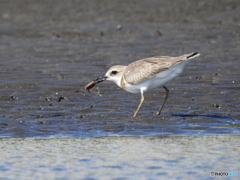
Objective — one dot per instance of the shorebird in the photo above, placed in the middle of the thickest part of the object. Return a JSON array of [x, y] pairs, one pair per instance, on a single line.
[[147, 74]]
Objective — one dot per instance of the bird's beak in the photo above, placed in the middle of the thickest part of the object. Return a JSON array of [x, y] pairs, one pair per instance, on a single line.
[[100, 79], [105, 78]]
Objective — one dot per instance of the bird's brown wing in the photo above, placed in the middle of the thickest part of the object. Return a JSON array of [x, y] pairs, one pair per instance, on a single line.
[[141, 70]]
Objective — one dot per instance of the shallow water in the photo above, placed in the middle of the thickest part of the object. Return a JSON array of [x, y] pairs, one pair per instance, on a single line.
[[139, 157]]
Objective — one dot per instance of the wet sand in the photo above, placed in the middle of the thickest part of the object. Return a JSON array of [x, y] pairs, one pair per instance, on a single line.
[[50, 49]]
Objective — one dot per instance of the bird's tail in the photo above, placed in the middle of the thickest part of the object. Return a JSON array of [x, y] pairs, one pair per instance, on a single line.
[[192, 55]]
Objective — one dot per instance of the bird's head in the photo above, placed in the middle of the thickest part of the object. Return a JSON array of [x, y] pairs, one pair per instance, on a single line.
[[115, 74]]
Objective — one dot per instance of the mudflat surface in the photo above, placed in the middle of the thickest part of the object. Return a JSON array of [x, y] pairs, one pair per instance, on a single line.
[[49, 49]]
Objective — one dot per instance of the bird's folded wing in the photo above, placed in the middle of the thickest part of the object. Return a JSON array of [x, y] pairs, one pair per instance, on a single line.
[[144, 69], [141, 70]]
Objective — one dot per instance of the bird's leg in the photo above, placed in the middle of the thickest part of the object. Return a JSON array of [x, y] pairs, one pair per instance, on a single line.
[[165, 99], [140, 104]]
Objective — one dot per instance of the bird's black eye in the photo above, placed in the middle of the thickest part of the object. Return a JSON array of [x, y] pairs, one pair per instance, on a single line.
[[114, 72]]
